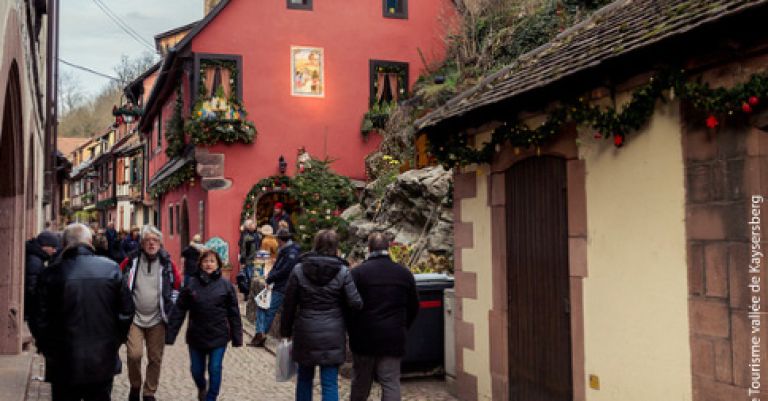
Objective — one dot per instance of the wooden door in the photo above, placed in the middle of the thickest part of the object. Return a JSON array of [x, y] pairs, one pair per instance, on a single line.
[[183, 221], [539, 311]]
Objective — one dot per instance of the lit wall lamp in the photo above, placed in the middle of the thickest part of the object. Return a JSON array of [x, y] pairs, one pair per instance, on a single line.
[[282, 165]]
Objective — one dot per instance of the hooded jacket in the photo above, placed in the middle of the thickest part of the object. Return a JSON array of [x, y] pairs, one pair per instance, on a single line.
[[168, 285], [214, 315], [319, 288], [35, 259], [84, 314]]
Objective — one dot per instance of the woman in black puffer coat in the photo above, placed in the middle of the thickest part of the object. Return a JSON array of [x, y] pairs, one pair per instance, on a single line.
[[320, 287], [214, 320]]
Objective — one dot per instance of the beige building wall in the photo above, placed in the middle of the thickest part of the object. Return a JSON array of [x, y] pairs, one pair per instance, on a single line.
[[477, 260], [636, 321]]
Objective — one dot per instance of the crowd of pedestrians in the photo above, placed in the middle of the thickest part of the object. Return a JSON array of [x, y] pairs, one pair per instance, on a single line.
[[88, 291]]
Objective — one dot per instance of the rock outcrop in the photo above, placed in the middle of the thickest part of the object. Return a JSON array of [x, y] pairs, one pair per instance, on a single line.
[[415, 211]]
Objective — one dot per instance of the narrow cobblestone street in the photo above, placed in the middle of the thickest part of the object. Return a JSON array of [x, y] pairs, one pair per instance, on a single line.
[[249, 374]]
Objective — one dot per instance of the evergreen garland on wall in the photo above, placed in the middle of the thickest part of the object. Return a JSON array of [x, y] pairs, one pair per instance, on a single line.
[[717, 104], [216, 118], [173, 181]]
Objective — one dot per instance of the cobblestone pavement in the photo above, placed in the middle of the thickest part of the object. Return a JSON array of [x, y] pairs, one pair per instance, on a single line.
[[249, 375]]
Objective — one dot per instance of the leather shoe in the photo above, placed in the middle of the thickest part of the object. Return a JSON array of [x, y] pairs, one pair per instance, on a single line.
[[134, 395], [258, 340]]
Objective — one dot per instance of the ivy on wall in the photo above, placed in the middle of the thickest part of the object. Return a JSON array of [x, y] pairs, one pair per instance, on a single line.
[[713, 104]]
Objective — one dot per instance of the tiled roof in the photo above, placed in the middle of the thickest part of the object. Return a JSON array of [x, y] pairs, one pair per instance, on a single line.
[[614, 31], [68, 145]]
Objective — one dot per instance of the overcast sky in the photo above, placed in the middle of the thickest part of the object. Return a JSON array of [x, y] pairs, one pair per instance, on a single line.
[[89, 38]]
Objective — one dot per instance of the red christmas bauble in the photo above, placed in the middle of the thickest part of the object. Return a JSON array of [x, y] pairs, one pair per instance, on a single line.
[[712, 122], [753, 100], [618, 140], [745, 107]]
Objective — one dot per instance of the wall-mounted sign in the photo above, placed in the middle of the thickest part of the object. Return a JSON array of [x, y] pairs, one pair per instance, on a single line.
[[307, 76]]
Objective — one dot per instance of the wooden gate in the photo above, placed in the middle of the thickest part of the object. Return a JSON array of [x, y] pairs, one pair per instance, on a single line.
[[539, 310]]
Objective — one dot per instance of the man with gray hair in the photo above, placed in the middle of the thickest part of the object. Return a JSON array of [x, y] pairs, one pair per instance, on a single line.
[[83, 316], [377, 333], [153, 282]]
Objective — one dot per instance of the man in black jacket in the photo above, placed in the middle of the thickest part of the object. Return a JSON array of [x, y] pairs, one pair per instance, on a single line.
[[39, 252], [377, 333], [83, 316], [287, 257]]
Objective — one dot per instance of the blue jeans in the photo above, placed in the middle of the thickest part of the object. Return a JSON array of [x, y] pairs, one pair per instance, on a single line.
[[215, 360], [249, 272], [264, 317], [329, 381]]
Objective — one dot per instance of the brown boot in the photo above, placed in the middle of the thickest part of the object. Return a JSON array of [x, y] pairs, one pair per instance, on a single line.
[[258, 340]]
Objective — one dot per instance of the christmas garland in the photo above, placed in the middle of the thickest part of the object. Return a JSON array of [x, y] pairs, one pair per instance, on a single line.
[[716, 104], [321, 194], [218, 119], [174, 129], [269, 184], [173, 181], [127, 110]]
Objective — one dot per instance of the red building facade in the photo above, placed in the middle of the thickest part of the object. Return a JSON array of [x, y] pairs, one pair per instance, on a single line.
[[306, 72]]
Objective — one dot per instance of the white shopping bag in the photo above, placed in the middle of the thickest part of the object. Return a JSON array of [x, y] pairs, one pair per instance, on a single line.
[[285, 367], [264, 298]]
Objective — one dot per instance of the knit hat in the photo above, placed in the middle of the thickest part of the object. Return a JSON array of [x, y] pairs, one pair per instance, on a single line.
[[47, 238], [279, 205]]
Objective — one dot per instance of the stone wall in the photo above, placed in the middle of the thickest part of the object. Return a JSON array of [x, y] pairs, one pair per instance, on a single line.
[[723, 170]]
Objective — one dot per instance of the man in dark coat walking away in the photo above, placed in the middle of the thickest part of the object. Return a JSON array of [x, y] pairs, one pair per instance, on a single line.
[[39, 251], [83, 316], [377, 333]]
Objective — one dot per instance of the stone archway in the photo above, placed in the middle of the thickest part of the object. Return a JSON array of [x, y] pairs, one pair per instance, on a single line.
[[12, 232]]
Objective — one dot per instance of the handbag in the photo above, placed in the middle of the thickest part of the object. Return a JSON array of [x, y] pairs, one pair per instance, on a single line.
[[285, 367], [264, 298]]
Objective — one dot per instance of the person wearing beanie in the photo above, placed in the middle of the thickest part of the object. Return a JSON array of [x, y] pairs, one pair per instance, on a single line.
[[39, 252], [280, 215]]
